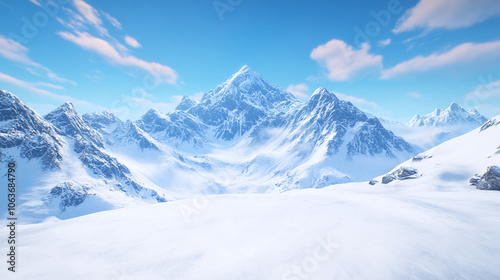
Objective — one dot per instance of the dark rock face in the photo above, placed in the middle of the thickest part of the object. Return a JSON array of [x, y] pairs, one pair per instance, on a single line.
[[403, 173], [488, 124], [25, 129], [67, 120], [69, 194], [490, 180], [178, 126], [419, 158], [327, 119], [236, 106], [129, 132]]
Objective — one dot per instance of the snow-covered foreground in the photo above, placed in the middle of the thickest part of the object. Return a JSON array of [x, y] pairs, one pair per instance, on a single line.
[[349, 231]]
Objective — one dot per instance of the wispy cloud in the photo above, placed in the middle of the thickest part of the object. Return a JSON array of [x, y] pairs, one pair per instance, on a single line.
[[463, 54], [91, 15], [35, 88], [447, 14], [356, 100], [384, 43], [36, 3], [414, 94], [16, 52], [299, 90], [160, 73], [38, 88], [86, 19], [112, 20], [132, 42], [343, 62]]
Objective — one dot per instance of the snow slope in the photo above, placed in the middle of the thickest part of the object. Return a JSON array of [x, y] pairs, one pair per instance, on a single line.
[[456, 161], [351, 231]]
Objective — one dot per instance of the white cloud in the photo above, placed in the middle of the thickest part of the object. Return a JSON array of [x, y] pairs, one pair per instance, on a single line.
[[112, 20], [16, 52], [384, 43], [160, 73], [447, 14], [414, 94], [343, 61], [356, 100], [300, 90], [91, 15], [132, 42], [36, 3], [463, 54], [34, 88]]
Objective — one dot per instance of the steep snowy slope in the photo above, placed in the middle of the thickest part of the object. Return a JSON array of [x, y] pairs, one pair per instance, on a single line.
[[63, 169], [237, 105], [177, 129], [324, 141], [454, 162], [103, 122]]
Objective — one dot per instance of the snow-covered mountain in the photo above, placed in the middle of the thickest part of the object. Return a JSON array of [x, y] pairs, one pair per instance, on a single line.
[[459, 161], [237, 105], [246, 135], [63, 167], [430, 130], [451, 116]]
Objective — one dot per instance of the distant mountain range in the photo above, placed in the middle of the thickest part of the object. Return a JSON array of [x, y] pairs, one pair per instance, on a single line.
[[453, 115], [427, 131], [246, 135]]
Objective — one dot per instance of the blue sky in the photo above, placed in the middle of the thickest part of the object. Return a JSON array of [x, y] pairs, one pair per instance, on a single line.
[[393, 58]]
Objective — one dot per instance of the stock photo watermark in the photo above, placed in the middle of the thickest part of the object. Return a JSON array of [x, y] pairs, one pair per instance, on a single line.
[[323, 251], [11, 216], [372, 29], [223, 6], [31, 26]]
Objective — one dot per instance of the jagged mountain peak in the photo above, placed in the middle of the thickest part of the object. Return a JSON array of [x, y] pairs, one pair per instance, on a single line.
[[248, 86], [23, 128], [186, 103], [104, 121], [323, 93], [154, 111], [237, 105], [105, 115], [69, 122], [244, 73], [152, 115], [454, 107]]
